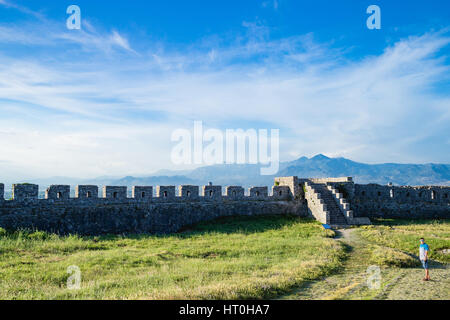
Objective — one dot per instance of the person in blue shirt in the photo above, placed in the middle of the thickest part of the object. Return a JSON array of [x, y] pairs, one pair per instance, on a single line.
[[423, 255]]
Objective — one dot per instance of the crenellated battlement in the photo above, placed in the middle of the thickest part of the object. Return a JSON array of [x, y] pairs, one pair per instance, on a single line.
[[285, 189], [164, 209], [160, 209], [403, 194], [186, 193]]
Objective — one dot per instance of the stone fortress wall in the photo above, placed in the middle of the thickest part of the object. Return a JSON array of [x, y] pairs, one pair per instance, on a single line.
[[377, 201], [114, 212], [380, 201], [61, 193], [172, 209]]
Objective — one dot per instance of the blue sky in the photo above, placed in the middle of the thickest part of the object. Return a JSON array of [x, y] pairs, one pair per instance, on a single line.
[[104, 100]]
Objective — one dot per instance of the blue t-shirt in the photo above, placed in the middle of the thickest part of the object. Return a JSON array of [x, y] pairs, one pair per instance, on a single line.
[[423, 247]]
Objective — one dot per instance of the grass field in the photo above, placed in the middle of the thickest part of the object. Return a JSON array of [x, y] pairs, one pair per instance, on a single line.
[[391, 245], [405, 234], [233, 258]]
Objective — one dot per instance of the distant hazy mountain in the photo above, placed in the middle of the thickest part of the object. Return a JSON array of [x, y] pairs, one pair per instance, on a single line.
[[400, 174], [319, 166], [153, 181]]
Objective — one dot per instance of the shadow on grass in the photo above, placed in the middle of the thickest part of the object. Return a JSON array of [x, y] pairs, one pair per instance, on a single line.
[[226, 225], [433, 264], [243, 224], [223, 225], [348, 249], [441, 240], [407, 222]]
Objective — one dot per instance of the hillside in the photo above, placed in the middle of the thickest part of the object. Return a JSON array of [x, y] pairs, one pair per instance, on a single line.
[[319, 166], [248, 175]]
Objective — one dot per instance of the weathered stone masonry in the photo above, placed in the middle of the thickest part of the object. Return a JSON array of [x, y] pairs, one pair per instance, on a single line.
[[374, 201], [335, 201], [401, 202], [87, 214]]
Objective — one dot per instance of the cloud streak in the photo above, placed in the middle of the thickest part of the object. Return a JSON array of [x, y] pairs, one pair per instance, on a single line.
[[40, 31], [87, 104]]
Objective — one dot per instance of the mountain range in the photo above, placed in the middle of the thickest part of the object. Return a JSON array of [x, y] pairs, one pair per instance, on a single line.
[[248, 175]]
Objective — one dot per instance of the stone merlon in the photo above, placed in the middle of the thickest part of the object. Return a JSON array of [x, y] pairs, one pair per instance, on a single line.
[[338, 201]]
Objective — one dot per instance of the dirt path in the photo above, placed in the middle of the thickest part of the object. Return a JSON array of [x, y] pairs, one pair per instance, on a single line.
[[351, 281]]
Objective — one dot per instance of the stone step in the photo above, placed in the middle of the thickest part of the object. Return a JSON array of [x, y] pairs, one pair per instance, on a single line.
[[337, 217]]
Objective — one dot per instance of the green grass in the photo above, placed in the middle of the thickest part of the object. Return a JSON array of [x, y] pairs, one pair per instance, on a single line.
[[388, 257], [232, 258], [393, 246], [404, 235]]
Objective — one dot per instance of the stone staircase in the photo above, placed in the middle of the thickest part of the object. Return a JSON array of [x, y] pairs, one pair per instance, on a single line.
[[328, 206], [336, 216], [342, 204]]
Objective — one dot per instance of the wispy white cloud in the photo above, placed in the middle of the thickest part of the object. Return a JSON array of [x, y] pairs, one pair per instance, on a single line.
[[44, 32], [23, 9], [120, 41], [107, 110]]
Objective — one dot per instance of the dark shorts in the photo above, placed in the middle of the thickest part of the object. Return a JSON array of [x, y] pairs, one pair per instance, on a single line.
[[425, 264]]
